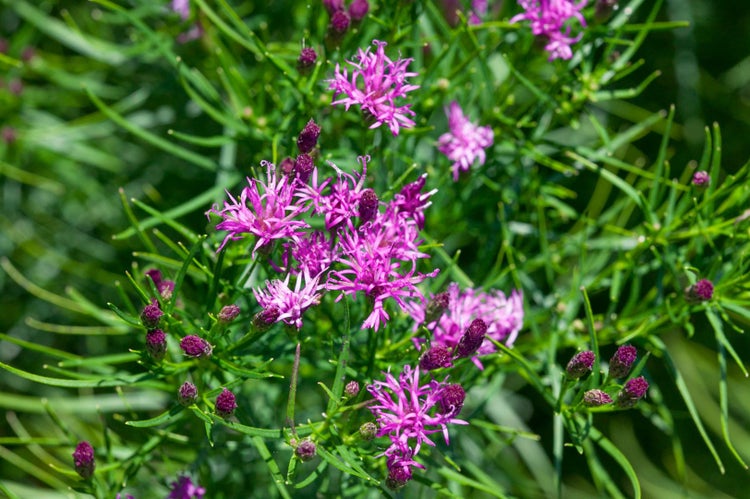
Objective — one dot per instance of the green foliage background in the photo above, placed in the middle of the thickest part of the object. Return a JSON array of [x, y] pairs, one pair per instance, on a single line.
[[575, 195]]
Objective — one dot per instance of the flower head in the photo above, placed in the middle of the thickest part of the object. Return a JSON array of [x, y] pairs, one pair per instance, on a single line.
[[151, 315], [634, 390], [187, 394], [472, 339], [267, 210], [580, 365], [550, 19], [619, 364], [435, 357], [465, 143], [375, 84], [351, 389], [701, 178], [596, 398], [305, 450], [308, 137], [307, 58], [703, 290], [358, 9], [184, 488], [195, 346], [226, 403], [290, 304], [228, 313], [156, 344], [83, 460]]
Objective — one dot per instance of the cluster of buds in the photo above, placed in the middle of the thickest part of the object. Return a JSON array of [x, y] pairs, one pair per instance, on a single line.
[[440, 355], [634, 389], [342, 17]]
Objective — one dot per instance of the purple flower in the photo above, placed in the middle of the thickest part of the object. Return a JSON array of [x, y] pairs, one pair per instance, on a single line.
[[333, 5], [619, 364], [478, 10], [358, 9], [503, 316], [83, 460], [312, 253], [226, 403], [290, 304], [453, 399], [266, 318], [549, 19], [307, 58], [266, 210], [368, 205], [701, 178], [306, 450], [340, 22], [375, 84], [308, 137], [195, 346], [703, 290], [580, 365], [228, 313], [351, 389], [465, 143], [472, 339], [408, 413], [436, 357], [182, 7], [187, 394], [184, 488], [634, 390], [412, 202], [151, 315], [596, 398], [156, 344]]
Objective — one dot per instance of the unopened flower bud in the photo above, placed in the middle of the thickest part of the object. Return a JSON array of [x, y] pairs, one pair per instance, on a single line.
[[333, 5], [701, 178], [151, 315], [156, 344], [195, 346], [368, 205], [603, 9], [188, 394], [634, 390], [305, 450], [398, 476], [596, 398], [368, 431], [228, 313], [340, 22], [308, 137], [452, 399], [580, 365], [264, 319], [304, 166], [702, 290], [351, 389], [621, 361], [83, 460], [472, 339], [307, 58], [435, 357], [358, 9], [226, 403], [436, 307]]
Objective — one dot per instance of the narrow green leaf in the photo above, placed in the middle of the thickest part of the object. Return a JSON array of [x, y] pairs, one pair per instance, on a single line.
[[118, 380], [607, 446], [273, 466], [163, 418]]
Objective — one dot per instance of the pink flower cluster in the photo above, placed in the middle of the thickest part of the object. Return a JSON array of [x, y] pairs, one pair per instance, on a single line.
[[408, 413], [550, 19], [367, 246], [465, 143], [374, 84], [503, 316]]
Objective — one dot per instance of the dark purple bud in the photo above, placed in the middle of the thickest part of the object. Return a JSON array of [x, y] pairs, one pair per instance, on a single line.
[[701, 179], [621, 361], [305, 450], [358, 9], [195, 346], [287, 166], [228, 313], [340, 22], [156, 344], [581, 364], [333, 5], [83, 460], [351, 389], [398, 476], [436, 307], [151, 315], [187, 394], [368, 431], [634, 390], [307, 58], [308, 137], [264, 319], [226, 403], [596, 398], [702, 290], [436, 357], [452, 399], [304, 166], [472, 339], [8, 134], [368, 205], [155, 275]]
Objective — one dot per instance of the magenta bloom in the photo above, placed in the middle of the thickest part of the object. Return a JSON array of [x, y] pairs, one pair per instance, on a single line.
[[83, 460], [701, 178], [268, 211], [375, 84], [184, 488], [465, 143], [182, 8], [703, 290], [622, 360], [502, 315], [581, 364], [634, 390], [408, 413], [226, 403], [290, 304], [412, 202], [550, 19], [195, 346], [478, 11]]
